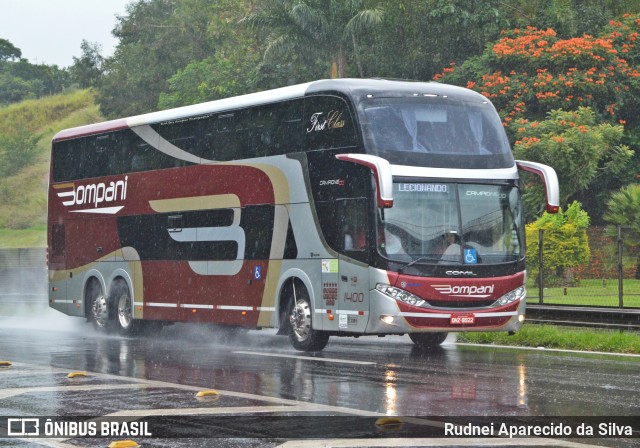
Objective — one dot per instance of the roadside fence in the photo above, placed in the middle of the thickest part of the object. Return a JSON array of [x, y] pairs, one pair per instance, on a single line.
[[610, 279]]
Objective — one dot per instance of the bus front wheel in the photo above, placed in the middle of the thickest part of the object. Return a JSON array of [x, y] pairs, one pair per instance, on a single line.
[[427, 340], [302, 336]]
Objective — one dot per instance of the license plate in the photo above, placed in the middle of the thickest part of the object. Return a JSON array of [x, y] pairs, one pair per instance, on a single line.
[[463, 320]]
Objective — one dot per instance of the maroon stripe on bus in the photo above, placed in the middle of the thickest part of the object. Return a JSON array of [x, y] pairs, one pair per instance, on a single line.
[[98, 128]]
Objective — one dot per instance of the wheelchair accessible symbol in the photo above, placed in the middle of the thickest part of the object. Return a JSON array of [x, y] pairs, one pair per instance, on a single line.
[[470, 256], [257, 272]]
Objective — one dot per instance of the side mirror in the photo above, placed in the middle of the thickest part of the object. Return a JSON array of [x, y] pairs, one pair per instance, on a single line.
[[550, 179], [381, 171]]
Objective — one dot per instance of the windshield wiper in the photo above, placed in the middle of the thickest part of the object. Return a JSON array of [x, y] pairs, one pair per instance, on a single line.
[[411, 263]]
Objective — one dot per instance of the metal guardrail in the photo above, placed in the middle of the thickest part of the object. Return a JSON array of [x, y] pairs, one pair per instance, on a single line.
[[23, 276], [584, 316], [17, 258]]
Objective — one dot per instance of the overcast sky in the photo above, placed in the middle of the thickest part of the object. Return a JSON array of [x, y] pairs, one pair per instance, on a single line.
[[50, 31]]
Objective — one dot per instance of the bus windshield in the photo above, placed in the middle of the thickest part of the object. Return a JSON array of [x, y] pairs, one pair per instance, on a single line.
[[437, 132], [449, 223]]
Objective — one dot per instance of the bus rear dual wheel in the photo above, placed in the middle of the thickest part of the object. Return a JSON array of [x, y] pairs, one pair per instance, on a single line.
[[114, 313]]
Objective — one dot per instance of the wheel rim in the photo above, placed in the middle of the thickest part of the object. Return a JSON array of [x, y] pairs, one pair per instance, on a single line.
[[301, 320], [124, 311], [100, 311]]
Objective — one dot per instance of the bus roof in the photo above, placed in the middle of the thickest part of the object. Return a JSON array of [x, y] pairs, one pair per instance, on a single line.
[[354, 88]]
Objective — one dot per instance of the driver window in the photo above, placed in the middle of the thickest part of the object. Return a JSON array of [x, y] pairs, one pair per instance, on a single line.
[[354, 227]]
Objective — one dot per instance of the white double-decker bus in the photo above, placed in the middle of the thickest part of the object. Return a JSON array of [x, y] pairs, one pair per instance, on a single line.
[[338, 207]]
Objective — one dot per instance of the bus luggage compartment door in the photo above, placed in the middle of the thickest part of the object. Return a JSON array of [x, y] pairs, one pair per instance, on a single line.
[[353, 297]]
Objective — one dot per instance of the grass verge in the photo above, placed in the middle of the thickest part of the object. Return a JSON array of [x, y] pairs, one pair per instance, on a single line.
[[549, 336], [23, 238]]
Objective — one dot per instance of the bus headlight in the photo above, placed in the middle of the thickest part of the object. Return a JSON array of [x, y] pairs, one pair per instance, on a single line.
[[511, 296], [399, 294]]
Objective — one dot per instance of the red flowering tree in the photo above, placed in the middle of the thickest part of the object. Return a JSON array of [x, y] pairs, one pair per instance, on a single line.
[[530, 72]]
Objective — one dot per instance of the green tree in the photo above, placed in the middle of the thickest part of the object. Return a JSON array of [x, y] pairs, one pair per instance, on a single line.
[[565, 247], [156, 39], [231, 70], [51, 78], [204, 81], [461, 28], [19, 79], [87, 70], [14, 89], [324, 31], [623, 209], [416, 39], [8, 52], [577, 17]]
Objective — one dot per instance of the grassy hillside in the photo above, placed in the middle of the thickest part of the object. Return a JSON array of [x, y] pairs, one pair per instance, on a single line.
[[23, 194]]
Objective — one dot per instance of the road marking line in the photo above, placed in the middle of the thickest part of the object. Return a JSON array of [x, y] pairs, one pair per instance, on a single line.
[[307, 358], [53, 443], [14, 372], [140, 413], [544, 349], [6, 393]]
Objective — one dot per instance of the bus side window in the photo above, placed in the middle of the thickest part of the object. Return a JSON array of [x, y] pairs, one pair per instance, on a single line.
[[223, 140], [120, 156], [207, 146], [283, 130], [140, 157], [68, 160]]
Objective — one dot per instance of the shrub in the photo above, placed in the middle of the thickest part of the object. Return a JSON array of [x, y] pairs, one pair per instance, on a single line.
[[17, 151], [565, 247]]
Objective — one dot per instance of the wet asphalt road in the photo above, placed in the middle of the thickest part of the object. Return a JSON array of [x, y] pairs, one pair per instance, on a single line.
[[272, 395]]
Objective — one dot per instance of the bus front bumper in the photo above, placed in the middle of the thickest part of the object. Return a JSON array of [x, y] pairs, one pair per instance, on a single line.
[[388, 316]]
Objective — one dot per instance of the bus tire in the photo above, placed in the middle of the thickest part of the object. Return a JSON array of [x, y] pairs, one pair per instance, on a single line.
[[302, 335], [98, 312], [428, 340], [124, 322]]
